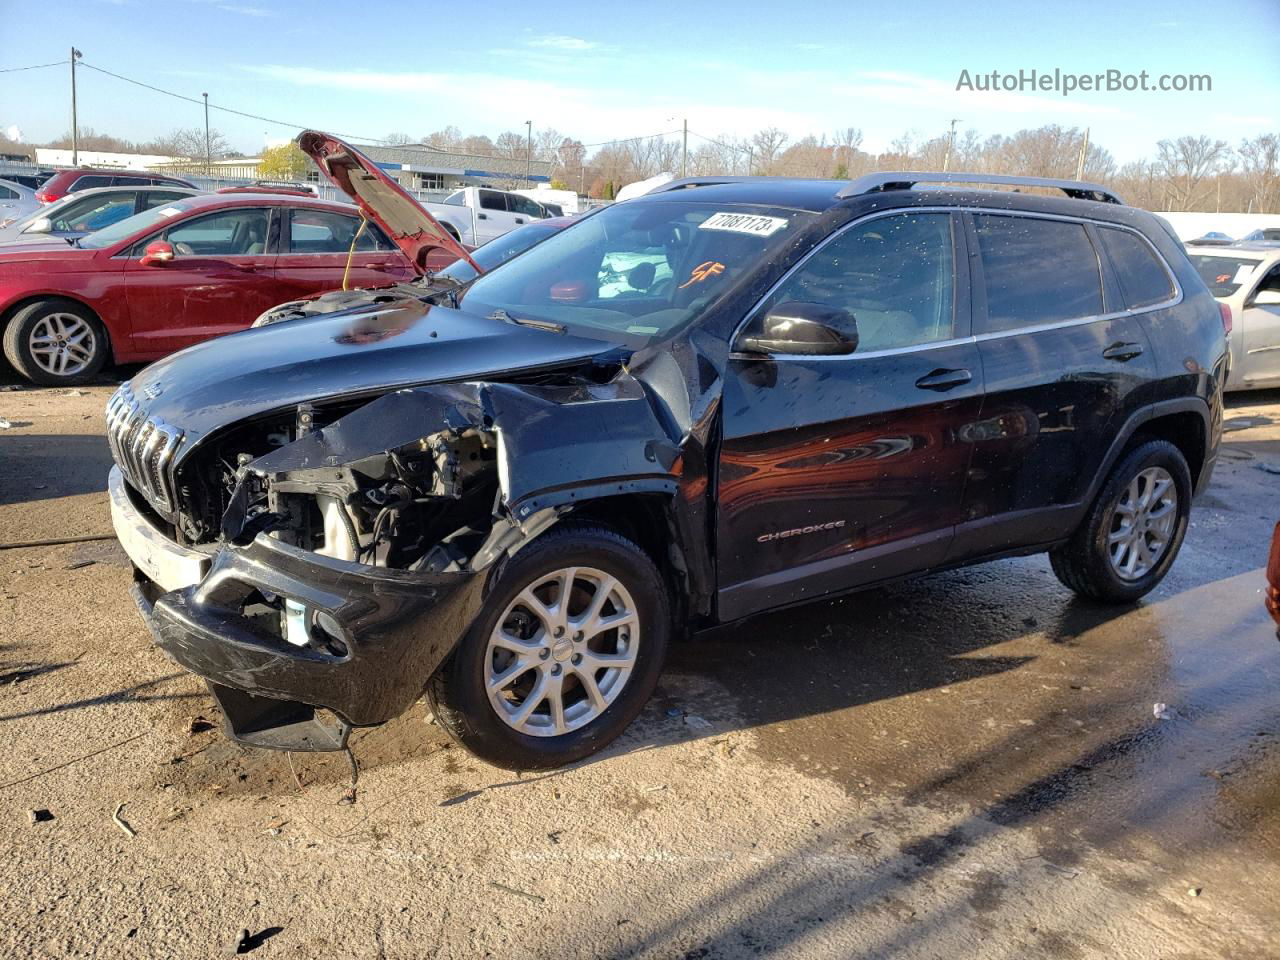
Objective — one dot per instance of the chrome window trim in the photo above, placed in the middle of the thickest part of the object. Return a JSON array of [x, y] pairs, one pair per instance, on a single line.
[[973, 338]]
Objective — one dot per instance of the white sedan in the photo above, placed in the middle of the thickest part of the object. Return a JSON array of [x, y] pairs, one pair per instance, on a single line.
[[15, 201], [1246, 277]]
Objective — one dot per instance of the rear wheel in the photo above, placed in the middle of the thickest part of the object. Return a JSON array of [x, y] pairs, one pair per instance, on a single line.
[[1133, 532], [564, 654], [56, 343]]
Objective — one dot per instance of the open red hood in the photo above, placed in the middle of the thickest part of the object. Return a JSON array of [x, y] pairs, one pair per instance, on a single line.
[[381, 199]]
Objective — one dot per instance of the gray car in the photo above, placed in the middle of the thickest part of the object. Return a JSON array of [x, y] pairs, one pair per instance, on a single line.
[[81, 213], [16, 201]]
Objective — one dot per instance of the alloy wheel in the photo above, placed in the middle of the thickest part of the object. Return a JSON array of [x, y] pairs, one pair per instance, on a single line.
[[1142, 523], [562, 651], [62, 344]]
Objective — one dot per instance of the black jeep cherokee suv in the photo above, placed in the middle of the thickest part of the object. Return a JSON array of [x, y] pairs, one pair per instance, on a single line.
[[724, 397]]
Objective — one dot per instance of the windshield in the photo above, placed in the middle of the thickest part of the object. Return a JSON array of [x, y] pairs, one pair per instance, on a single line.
[[130, 225], [636, 272], [1222, 274], [498, 251]]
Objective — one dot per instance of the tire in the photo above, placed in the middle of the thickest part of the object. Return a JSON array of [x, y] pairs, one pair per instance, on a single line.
[[458, 693], [31, 329], [1087, 562]]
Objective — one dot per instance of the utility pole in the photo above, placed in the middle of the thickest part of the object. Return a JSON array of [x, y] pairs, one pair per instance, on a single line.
[[1084, 153], [208, 157], [528, 155], [951, 142], [75, 128], [684, 151]]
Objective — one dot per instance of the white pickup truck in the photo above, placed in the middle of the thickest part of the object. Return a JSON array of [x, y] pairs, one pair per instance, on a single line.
[[476, 215]]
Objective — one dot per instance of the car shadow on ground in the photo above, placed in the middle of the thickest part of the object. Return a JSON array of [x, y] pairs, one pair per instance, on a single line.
[[37, 466]]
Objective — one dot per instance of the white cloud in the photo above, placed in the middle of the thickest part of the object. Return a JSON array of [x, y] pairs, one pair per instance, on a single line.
[[560, 41]]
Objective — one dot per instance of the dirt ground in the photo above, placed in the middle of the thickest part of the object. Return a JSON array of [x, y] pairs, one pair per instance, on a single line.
[[969, 765]]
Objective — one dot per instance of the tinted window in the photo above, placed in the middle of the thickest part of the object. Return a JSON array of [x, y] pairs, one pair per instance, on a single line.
[[894, 274], [492, 200], [1143, 278], [319, 231], [94, 213], [88, 183], [7, 194], [524, 206], [153, 198], [228, 233], [1037, 271], [1224, 275]]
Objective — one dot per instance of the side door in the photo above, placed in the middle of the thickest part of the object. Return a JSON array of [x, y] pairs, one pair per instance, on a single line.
[[316, 245], [838, 471], [1259, 324], [493, 218], [1065, 362], [221, 277]]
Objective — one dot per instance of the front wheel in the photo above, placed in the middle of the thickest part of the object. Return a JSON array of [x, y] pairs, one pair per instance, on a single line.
[[564, 654], [55, 343], [1131, 535]]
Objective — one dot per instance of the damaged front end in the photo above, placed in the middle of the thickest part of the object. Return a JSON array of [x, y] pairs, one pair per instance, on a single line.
[[344, 548]]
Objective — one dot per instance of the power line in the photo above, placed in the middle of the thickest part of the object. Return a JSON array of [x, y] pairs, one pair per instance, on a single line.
[[650, 136], [214, 106], [34, 66]]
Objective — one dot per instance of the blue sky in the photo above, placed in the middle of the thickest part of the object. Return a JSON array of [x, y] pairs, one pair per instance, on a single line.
[[599, 70]]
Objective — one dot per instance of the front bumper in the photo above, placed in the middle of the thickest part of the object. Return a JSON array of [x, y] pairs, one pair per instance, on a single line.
[[393, 627]]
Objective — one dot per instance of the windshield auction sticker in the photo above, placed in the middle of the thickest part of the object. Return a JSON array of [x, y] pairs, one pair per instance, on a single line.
[[750, 223]]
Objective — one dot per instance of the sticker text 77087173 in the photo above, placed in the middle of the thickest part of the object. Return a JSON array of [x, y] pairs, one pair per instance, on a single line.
[[755, 224]]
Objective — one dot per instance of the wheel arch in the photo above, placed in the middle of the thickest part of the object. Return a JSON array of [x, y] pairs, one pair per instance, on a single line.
[[1183, 421]]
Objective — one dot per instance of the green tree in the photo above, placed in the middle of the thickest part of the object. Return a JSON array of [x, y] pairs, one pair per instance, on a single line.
[[285, 162]]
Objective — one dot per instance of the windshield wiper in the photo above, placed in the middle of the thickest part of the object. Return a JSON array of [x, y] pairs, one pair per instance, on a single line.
[[548, 325]]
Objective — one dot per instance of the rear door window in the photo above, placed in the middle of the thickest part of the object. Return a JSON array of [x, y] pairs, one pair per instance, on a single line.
[[94, 213], [493, 200], [1142, 276], [88, 183], [320, 231], [1037, 271]]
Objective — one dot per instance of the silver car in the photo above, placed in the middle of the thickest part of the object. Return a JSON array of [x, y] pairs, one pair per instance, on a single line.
[[81, 213], [1246, 277], [16, 201]]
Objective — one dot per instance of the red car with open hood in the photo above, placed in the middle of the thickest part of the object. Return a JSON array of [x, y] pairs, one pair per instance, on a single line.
[[205, 266]]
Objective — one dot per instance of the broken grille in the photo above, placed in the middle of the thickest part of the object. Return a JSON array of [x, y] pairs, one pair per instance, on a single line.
[[143, 448]]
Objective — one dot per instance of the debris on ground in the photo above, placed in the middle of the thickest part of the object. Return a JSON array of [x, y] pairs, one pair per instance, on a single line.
[[198, 724], [696, 722], [241, 943], [5, 424], [40, 816], [115, 817], [519, 893], [1162, 711], [77, 564], [1268, 468], [674, 712], [1193, 892], [75, 393]]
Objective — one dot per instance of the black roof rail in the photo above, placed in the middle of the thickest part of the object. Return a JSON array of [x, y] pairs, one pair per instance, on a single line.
[[685, 182], [880, 182]]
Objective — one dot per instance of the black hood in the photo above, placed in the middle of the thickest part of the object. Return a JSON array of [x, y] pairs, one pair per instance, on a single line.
[[364, 351]]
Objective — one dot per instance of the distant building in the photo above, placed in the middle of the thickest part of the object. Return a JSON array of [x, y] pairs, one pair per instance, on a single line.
[[48, 157], [233, 168], [420, 167]]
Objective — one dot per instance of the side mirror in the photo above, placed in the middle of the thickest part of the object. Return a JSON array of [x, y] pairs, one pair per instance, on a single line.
[[1266, 298], [804, 328], [41, 225], [156, 254]]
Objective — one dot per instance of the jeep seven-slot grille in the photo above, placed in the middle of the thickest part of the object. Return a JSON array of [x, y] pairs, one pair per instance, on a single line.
[[143, 448]]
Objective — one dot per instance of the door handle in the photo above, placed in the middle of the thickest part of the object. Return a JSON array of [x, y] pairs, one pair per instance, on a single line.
[[519, 219], [1122, 352], [944, 379], [482, 216]]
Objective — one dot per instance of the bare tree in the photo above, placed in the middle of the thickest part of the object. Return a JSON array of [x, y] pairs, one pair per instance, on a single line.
[[1185, 163], [511, 145], [1260, 165], [396, 139], [188, 142], [764, 148]]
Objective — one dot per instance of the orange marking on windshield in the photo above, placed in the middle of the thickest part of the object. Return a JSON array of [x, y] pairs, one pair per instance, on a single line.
[[704, 271]]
